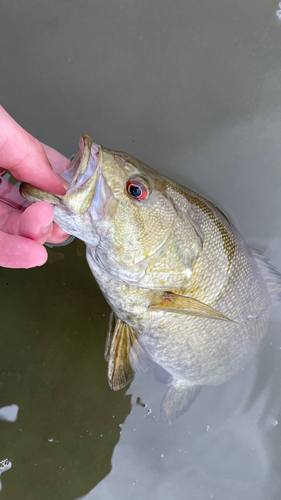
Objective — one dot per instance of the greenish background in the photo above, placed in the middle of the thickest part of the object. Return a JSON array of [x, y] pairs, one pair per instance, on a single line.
[[192, 88]]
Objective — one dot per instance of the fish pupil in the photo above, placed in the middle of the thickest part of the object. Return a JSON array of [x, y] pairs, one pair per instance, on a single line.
[[135, 191]]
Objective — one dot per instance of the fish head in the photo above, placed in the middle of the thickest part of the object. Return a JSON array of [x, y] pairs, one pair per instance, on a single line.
[[116, 204]]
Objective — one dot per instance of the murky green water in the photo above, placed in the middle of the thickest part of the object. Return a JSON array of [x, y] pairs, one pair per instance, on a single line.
[[192, 89], [52, 367]]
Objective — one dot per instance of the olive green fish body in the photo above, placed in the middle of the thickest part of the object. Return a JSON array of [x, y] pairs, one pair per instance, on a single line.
[[199, 350], [184, 287]]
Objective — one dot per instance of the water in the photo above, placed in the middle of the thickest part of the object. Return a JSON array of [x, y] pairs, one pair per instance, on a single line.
[[192, 89]]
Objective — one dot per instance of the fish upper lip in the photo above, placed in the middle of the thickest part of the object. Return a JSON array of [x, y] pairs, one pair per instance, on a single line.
[[80, 176]]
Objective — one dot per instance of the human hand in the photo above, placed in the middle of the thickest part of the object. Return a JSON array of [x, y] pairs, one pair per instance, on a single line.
[[24, 230]]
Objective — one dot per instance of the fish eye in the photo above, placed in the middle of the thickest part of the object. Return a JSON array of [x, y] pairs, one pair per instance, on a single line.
[[137, 189]]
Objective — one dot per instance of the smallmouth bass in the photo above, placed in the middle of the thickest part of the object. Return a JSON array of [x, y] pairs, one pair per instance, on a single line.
[[185, 289]]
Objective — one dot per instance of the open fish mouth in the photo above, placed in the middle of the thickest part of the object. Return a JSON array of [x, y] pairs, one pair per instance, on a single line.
[[81, 177], [84, 163]]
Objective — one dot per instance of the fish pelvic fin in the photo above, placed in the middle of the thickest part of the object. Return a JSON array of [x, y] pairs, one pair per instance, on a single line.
[[109, 335], [124, 353], [189, 306], [177, 399], [270, 274]]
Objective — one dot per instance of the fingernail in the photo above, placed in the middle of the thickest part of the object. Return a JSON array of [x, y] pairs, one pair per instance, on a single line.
[[45, 229]]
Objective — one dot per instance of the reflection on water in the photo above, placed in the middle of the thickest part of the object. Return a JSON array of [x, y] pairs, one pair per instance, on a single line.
[[278, 12], [4, 465], [9, 413]]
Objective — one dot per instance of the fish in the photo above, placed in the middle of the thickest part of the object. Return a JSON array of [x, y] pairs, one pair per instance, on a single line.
[[185, 290]]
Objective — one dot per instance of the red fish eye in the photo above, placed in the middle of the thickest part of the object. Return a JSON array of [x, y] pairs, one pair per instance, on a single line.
[[137, 190]]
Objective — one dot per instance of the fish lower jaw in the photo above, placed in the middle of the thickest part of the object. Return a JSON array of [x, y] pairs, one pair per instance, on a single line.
[[34, 195], [80, 226]]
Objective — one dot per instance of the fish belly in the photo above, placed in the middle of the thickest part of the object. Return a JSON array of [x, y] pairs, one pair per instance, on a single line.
[[197, 350]]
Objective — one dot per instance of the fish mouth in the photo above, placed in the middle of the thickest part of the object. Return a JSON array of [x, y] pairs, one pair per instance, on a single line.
[[81, 178]]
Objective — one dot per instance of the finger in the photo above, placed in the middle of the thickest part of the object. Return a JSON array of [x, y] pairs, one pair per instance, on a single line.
[[57, 160], [36, 223], [58, 235], [24, 156], [18, 252], [9, 193]]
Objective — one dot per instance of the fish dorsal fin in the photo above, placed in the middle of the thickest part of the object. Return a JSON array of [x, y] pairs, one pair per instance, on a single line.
[[123, 352], [187, 305]]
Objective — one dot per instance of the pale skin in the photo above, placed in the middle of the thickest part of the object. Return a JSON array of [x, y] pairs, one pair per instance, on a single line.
[[25, 228]]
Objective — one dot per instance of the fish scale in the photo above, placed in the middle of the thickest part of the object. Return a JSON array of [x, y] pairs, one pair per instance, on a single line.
[[185, 289]]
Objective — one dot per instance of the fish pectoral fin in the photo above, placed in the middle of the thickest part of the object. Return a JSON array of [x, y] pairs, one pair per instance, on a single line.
[[123, 352], [187, 305], [177, 399]]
